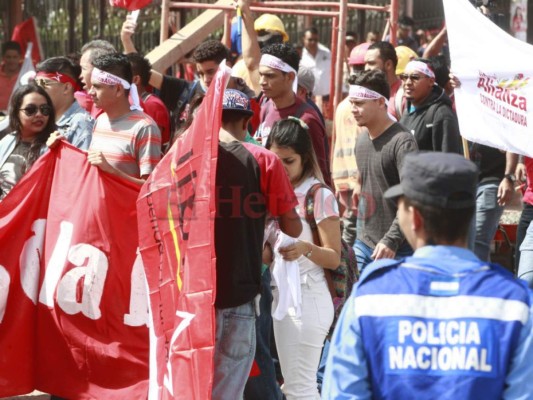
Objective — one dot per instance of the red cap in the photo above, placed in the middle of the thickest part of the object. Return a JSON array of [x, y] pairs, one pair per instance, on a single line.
[[357, 56]]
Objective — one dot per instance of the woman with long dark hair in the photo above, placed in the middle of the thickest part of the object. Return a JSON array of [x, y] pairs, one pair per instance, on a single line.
[[32, 120], [300, 335]]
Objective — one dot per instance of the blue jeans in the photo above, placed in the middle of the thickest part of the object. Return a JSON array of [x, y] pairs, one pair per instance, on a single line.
[[525, 267], [322, 364], [523, 225], [264, 386], [363, 253], [485, 221], [234, 350]]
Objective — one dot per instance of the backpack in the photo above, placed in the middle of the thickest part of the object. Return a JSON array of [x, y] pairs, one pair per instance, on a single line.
[[341, 280]]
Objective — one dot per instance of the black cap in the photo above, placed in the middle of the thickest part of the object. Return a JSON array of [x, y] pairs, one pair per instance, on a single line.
[[443, 180]]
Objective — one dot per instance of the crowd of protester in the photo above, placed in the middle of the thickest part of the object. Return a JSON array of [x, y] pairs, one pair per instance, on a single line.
[[321, 191]]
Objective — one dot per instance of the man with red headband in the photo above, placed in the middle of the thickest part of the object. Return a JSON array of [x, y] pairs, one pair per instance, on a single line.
[[429, 115], [59, 77]]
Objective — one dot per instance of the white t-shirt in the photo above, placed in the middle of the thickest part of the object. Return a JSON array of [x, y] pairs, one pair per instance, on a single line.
[[321, 66], [325, 206]]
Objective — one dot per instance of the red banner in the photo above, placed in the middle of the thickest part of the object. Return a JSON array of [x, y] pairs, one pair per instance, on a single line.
[[26, 32], [176, 211], [73, 304], [130, 5]]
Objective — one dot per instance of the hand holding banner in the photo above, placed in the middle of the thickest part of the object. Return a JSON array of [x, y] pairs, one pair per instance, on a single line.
[[73, 309], [176, 212]]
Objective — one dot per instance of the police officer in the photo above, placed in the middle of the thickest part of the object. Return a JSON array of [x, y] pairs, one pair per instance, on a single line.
[[441, 324]]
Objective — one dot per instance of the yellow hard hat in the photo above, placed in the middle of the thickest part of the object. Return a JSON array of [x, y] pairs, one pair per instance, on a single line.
[[404, 54], [269, 22]]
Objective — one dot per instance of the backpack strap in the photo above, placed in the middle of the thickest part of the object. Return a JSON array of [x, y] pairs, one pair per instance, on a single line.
[[309, 207], [309, 211]]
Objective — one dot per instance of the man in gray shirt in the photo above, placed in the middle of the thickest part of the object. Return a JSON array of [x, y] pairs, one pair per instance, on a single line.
[[379, 154]]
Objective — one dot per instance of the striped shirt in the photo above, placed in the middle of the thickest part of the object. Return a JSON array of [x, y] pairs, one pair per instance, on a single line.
[[130, 143]]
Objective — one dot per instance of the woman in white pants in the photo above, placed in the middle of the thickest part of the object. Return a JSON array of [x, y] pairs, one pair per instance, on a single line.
[[299, 339]]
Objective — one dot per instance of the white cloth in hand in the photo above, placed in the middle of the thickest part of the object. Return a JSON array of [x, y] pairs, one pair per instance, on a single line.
[[286, 275]]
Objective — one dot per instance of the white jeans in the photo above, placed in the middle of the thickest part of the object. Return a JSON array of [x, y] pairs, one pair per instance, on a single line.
[[299, 340]]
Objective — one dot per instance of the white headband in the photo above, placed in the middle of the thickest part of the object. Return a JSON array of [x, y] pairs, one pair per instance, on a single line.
[[274, 62], [363, 93], [421, 67], [108, 78]]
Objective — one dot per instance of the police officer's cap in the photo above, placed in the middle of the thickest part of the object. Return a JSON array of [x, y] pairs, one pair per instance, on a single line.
[[443, 180]]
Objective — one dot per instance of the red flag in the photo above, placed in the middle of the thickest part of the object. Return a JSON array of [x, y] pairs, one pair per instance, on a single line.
[[76, 306], [26, 32], [176, 210], [130, 5]]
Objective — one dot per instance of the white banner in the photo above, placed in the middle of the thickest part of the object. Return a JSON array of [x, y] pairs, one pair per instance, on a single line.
[[494, 103]]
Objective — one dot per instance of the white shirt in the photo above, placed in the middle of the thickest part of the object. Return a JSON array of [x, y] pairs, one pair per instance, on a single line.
[[321, 66]]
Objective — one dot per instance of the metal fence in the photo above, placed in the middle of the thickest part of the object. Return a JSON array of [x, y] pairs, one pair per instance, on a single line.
[[53, 17], [57, 38], [359, 22]]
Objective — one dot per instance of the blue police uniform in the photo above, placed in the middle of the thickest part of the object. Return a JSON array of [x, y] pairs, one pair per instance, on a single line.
[[438, 325]]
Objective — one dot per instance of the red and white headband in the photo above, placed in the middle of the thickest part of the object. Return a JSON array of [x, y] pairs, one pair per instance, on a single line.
[[59, 77], [421, 67], [107, 78], [363, 93], [268, 60]]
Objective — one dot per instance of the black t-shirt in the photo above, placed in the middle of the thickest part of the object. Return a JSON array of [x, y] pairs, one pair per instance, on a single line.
[[490, 161], [239, 226], [250, 180]]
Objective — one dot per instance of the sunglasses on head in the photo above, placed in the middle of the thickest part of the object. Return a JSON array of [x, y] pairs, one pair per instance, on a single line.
[[414, 78], [45, 83], [31, 110]]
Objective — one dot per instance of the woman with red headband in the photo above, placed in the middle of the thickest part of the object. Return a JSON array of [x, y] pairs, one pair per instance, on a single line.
[[31, 115]]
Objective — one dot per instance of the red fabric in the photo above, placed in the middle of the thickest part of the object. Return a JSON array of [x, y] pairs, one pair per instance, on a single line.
[[26, 32], [83, 333], [86, 102], [528, 195], [155, 108], [256, 118], [130, 5], [59, 77], [176, 218], [275, 185], [255, 371]]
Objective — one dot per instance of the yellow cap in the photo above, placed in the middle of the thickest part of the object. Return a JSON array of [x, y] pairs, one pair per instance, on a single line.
[[269, 22], [404, 54]]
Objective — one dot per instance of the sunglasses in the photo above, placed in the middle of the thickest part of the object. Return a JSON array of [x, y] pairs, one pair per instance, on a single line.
[[414, 78], [32, 109], [44, 83]]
